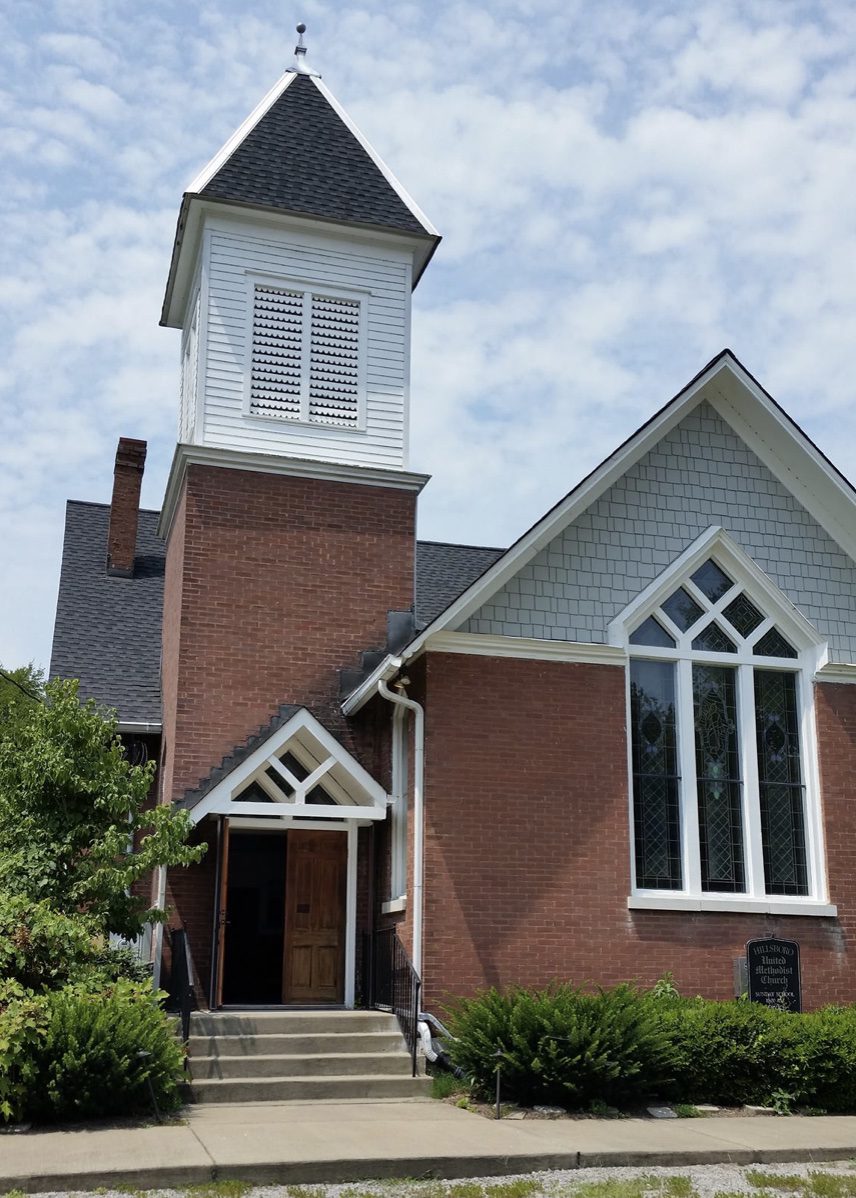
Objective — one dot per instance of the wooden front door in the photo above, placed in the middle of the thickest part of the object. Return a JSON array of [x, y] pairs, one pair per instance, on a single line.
[[314, 959]]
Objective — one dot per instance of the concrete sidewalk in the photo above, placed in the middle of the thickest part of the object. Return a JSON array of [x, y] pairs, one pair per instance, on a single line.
[[296, 1142]]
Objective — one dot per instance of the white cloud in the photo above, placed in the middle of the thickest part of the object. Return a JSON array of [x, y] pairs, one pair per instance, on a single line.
[[623, 188]]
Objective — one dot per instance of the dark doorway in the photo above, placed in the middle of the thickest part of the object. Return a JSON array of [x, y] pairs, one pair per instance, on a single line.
[[255, 918]]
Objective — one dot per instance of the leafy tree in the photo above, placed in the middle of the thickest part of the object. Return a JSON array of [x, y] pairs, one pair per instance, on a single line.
[[20, 690], [75, 835]]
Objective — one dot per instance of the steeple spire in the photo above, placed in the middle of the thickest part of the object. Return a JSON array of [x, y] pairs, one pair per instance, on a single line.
[[300, 67]]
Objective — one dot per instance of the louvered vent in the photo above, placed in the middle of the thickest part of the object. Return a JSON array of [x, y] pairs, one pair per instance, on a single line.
[[305, 356], [334, 361], [275, 373]]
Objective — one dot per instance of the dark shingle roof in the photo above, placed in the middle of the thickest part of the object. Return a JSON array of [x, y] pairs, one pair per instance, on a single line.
[[302, 157], [107, 630], [444, 571]]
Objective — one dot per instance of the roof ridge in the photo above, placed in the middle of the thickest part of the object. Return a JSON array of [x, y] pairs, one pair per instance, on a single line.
[[461, 545], [152, 511]]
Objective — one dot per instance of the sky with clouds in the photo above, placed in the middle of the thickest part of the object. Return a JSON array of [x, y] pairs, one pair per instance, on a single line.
[[623, 189]]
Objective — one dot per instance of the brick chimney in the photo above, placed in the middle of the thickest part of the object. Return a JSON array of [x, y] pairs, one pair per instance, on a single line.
[[125, 506]]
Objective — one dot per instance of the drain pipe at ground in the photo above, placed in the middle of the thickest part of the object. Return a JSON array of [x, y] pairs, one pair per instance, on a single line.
[[402, 700]]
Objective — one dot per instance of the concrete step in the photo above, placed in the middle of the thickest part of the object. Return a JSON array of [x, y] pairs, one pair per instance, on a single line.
[[304, 1089], [339, 1064], [286, 1044], [313, 1023]]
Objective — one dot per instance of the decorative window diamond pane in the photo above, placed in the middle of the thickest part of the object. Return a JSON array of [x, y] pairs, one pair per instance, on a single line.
[[780, 777], [773, 644], [682, 609], [655, 775], [714, 640], [712, 581], [743, 615], [718, 776], [651, 632]]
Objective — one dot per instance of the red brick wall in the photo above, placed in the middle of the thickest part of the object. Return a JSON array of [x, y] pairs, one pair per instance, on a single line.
[[125, 506], [527, 867], [273, 584]]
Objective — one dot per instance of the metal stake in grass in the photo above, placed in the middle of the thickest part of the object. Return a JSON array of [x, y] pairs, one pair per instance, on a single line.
[[498, 1056], [142, 1054]]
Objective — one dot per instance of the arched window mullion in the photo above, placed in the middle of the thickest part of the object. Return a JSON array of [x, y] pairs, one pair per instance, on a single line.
[[749, 765], [689, 783]]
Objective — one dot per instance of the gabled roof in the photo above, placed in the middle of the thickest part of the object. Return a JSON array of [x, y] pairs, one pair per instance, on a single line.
[[298, 154], [758, 420], [108, 629], [301, 153]]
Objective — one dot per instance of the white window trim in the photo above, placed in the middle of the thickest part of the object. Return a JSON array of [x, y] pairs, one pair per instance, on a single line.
[[812, 654], [307, 289]]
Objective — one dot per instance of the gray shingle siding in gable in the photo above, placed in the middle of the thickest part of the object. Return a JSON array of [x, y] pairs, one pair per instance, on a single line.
[[302, 157], [108, 629], [699, 474]]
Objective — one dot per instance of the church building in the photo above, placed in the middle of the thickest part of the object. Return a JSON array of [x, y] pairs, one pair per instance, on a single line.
[[622, 747]]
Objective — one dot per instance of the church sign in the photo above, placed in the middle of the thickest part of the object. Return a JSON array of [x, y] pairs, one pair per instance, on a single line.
[[774, 973]]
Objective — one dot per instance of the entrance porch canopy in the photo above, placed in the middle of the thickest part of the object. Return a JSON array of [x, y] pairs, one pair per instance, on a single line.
[[300, 772]]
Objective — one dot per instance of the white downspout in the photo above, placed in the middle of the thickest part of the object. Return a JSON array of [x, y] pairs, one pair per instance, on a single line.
[[157, 932], [418, 831]]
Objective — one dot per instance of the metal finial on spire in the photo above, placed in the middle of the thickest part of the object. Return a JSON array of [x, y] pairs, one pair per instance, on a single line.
[[300, 67]]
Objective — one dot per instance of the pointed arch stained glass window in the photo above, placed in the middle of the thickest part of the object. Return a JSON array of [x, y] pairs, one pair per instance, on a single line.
[[730, 712]]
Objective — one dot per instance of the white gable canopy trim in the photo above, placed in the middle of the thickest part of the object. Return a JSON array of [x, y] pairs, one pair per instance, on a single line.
[[321, 759]]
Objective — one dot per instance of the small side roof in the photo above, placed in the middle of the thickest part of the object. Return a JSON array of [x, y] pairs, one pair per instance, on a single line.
[[108, 629]]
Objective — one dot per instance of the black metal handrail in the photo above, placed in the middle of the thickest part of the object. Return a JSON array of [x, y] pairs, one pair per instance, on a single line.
[[394, 985], [182, 990]]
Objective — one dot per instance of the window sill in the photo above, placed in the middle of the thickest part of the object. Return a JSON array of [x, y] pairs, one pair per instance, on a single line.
[[394, 905], [742, 905]]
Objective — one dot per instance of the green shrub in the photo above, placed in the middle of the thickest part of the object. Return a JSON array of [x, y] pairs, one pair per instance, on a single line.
[[88, 1063], [110, 964], [564, 1046], [620, 1046], [41, 947], [23, 1021], [728, 1052], [740, 1052]]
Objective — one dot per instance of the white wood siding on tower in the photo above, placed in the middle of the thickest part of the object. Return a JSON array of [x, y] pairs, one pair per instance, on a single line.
[[189, 373], [235, 253]]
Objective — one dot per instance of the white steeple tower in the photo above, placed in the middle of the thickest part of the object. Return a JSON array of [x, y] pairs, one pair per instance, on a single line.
[[295, 256]]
